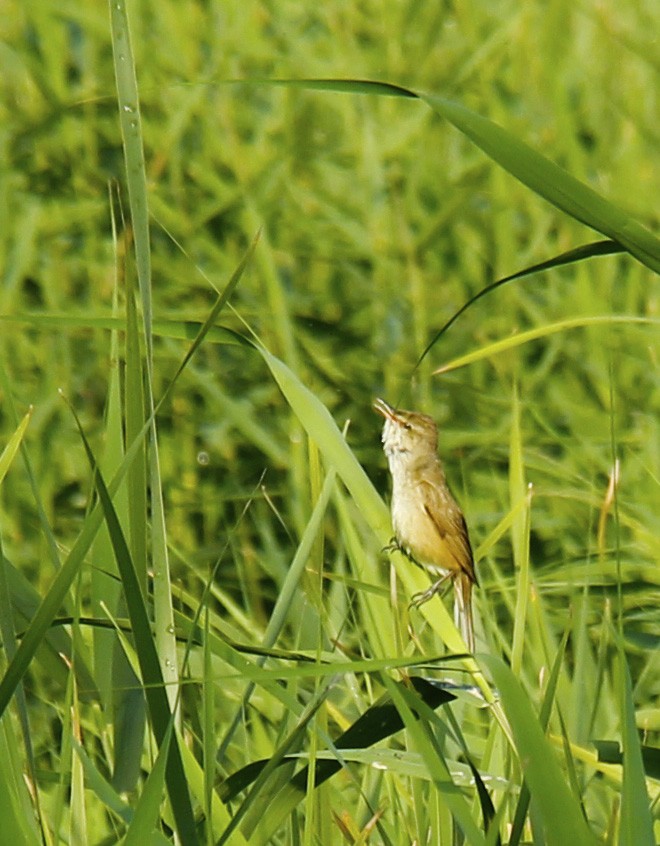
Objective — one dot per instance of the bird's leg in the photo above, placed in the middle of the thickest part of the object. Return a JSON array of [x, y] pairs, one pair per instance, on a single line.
[[393, 546], [424, 595]]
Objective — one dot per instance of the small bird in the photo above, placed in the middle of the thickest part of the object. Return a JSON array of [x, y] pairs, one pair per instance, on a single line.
[[429, 526]]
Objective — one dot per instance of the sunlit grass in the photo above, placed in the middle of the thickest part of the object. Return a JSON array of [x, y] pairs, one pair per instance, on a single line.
[[258, 597]]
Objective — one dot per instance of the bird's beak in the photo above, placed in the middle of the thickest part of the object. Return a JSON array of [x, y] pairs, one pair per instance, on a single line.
[[385, 409]]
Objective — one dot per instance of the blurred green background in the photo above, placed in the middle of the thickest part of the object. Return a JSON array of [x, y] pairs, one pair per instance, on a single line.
[[378, 221]]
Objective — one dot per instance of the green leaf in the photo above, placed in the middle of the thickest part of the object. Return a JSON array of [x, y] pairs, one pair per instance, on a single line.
[[558, 808], [534, 170], [16, 810], [551, 182], [599, 248], [147, 807], [636, 826], [152, 677], [428, 746], [13, 444], [544, 717], [378, 722], [517, 340]]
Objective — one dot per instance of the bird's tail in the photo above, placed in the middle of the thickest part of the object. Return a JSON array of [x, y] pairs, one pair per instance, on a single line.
[[463, 608]]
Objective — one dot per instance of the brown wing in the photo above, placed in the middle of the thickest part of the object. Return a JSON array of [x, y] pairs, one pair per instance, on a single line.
[[448, 519]]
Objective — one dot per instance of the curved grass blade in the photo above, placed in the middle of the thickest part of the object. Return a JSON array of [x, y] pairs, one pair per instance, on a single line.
[[152, 677], [558, 808], [636, 826], [13, 444], [380, 721], [521, 338], [427, 745], [551, 182], [544, 717], [598, 248], [145, 813], [41, 621], [543, 176]]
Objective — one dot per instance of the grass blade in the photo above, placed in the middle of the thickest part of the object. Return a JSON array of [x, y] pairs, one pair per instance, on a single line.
[[599, 248], [551, 182], [427, 746], [16, 813], [131, 131], [520, 528], [543, 176], [41, 620], [517, 340], [12, 446], [152, 677], [636, 826], [544, 717], [146, 809], [547, 784]]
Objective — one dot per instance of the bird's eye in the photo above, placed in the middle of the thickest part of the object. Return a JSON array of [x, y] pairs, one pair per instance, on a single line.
[[407, 426]]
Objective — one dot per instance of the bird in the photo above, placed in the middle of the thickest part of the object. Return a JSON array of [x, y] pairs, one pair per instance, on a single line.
[[429, 526]]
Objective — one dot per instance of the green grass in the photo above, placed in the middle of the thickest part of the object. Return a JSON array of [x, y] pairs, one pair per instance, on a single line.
[[219, 282]]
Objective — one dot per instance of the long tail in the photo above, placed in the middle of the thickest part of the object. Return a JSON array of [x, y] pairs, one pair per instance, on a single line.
[[463, 608]]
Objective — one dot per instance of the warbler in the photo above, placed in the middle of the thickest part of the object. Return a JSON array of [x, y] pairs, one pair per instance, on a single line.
[[429, 526]]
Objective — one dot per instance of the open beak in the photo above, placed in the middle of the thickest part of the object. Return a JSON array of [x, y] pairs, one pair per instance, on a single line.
[[385, 409]]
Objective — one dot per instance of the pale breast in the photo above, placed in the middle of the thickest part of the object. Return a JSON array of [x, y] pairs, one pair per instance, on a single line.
[[429, 525], [417, 534]]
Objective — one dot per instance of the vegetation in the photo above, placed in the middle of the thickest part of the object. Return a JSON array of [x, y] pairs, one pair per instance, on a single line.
[[208, 274]]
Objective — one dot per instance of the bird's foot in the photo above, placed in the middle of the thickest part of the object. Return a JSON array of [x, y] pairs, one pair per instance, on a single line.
[[423, 596], [392, 546]]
